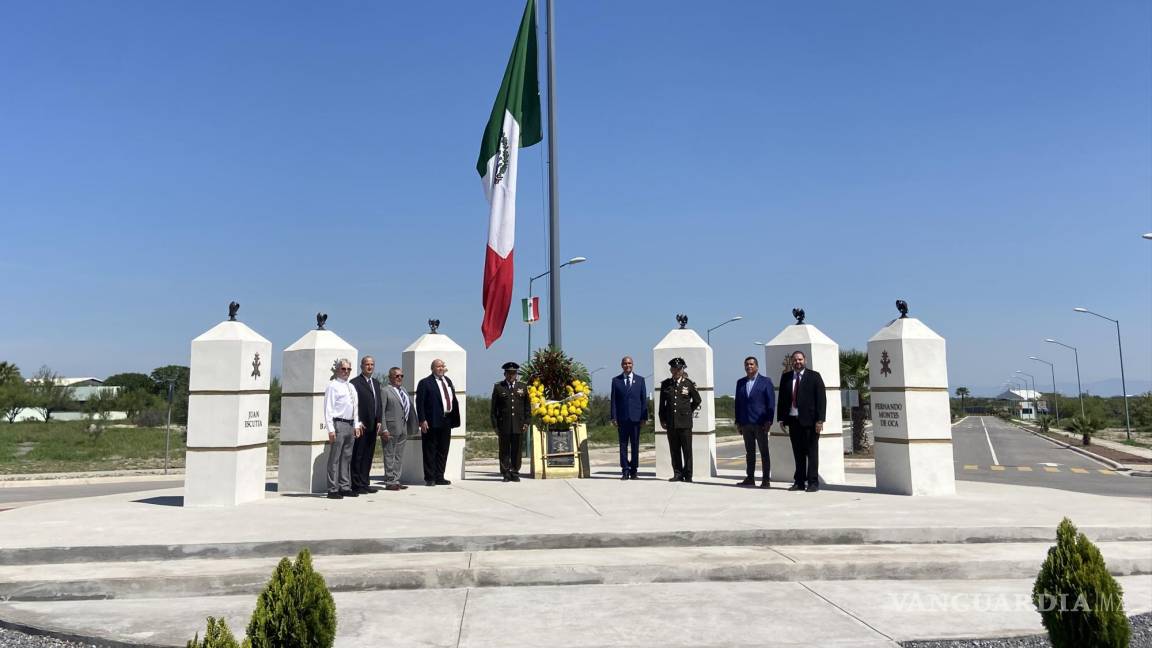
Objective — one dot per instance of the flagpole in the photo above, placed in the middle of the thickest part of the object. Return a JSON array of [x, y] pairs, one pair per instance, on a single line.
[[553, 196]]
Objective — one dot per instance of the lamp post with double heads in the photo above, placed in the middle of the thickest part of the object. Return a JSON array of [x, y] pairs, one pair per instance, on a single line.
[[572, 261], [1055, 394], [708, 334], [1123, 384], [1075, 354]]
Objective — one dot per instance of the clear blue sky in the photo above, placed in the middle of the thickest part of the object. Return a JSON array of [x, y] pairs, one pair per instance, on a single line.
[[990, 162]]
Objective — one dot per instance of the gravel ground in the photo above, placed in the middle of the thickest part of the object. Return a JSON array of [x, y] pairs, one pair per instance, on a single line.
[[14, 639], [1141, 638]]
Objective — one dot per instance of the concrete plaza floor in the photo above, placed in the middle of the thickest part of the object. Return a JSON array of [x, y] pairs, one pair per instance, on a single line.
[[632, 563]]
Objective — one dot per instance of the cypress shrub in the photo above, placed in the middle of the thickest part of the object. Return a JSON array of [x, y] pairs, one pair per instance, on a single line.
[[1079, 602], [216, 636], [295, 610]]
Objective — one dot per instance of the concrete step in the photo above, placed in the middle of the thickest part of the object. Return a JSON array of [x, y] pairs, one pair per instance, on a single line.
[[438, 570], [979, 535]]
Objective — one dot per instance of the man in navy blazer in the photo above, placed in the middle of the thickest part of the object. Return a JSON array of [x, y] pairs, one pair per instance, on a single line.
[[755, 405], [439, 412], [628, 410], [803, 405]]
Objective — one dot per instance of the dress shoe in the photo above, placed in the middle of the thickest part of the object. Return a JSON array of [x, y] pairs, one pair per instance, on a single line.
[[686, 480], [765, 484], [429, 483], [505, 478], [633, 476], [796, 487], [393, 487], [442, 482], [623, 476], [515, 477], [812, 488], [748, 481], [402, 486], [367, 490], [675, 478], [335, 496], [350, 493]]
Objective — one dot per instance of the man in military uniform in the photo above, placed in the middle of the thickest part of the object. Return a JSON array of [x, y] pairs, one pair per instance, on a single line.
[[510, 412], [678, 402]]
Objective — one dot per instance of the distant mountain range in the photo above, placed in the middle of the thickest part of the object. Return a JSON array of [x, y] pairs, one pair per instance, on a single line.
[[1109, 387]]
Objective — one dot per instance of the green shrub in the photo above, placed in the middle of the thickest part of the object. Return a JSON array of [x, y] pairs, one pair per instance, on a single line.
[[1079, 602], [295, 610], [216, 636]]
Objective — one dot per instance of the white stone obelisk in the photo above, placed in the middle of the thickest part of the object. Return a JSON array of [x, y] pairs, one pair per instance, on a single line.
[[227, 454], [416, 361], [908, 377], [307, 369], [823, 356], [686, 343]]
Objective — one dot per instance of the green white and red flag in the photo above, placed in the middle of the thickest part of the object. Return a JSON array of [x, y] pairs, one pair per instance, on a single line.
[[531, 308], [513, 124]]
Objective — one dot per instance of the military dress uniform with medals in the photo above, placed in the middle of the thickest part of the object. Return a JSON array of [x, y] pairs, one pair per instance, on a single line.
[[511, 410], [678, 402]]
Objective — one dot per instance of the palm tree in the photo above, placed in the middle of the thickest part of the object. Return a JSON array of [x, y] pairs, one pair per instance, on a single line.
[[854, 375], [9, 373], [962, 393], [1085, 426]]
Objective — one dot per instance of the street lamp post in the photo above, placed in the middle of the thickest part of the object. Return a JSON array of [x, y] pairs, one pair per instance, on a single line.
[[1076, 354], [1123, 384], [1055, 394], [572, 261], [1035, 393], [171, 382], [708, 334]]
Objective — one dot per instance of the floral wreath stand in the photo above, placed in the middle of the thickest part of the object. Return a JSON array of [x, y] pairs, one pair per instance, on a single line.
[[560, 451]]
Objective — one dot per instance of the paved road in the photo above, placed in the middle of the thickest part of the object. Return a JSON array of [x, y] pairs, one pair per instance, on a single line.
[[11, 497], [1021, 458]]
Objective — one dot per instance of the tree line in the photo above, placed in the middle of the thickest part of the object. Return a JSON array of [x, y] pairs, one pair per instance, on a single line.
[[143, 397]]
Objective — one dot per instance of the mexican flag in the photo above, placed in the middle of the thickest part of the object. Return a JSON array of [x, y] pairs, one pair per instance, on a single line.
[[514, 123], [531, 309]]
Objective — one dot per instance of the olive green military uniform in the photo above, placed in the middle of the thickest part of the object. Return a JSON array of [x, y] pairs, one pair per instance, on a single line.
[[678, 403], [510, 414]]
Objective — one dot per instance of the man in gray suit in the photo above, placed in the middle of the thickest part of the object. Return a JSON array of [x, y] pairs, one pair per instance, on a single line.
[[399, 424]]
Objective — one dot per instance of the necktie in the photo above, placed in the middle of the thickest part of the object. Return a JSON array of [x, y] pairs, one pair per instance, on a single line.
[[403, 401], [628, 382], [795, 388], [444, 393]]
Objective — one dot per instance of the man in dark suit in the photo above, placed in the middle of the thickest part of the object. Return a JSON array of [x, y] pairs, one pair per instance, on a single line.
[[371, 411], [510, 412], [755, 406], [439, 412], [678, 402], [803, 404], [628, 409]]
